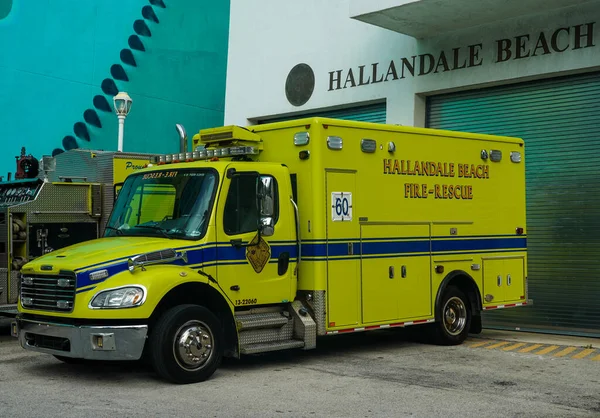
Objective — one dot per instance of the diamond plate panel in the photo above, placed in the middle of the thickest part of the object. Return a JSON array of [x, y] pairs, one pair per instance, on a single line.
[[57, 218], [305, 327], [274, 346], [59, 203], [4, 244], [77, 163], [94, 166], [260, 320], [97, 200], [267, 335], [14, 281], [315, 301], [3, 286], [319, 310], [62, 197]]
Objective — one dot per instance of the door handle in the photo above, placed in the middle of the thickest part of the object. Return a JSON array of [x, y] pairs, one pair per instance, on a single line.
[[499, 280], [403, 271], [391, 272], [283, 261], [508, 280], [350, 249]]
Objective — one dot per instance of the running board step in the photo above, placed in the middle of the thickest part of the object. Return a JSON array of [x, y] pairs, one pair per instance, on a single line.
[[261, 320], [272, 346]]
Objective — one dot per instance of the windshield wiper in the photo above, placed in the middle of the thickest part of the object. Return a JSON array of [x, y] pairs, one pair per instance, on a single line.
[[119, 231], [158, 228]]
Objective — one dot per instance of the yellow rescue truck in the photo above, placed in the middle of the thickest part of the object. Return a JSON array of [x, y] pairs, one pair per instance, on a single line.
[[267, 237]]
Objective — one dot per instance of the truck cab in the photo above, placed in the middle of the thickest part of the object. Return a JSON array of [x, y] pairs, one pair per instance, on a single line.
[[217, 234]]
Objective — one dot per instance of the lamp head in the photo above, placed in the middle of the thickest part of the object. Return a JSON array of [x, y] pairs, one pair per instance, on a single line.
[[122, 103]]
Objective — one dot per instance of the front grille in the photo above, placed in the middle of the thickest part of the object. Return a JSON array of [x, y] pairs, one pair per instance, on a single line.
[[48, 293], [46, 341]]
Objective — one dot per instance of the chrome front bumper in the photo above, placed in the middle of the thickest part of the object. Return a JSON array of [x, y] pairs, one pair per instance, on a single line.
[[88, 342]]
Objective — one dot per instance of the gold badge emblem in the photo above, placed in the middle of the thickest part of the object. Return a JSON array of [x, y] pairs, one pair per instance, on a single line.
[[258, 253]]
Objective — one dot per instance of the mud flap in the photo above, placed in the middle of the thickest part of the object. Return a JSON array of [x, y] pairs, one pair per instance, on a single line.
[[475, 325]]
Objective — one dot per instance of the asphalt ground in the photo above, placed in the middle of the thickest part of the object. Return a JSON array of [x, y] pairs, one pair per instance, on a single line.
[[386, 373]]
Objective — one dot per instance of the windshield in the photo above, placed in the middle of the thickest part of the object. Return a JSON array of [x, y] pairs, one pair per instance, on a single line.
[[169, 203]]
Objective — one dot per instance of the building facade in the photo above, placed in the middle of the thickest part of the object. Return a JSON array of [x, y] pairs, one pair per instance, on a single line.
[[529, 69], [62, 62]]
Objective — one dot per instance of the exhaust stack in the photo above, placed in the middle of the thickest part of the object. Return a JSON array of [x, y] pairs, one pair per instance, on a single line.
[[182, 137]]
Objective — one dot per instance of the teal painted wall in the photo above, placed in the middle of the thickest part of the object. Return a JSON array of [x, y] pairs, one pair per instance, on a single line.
[[61, 61]]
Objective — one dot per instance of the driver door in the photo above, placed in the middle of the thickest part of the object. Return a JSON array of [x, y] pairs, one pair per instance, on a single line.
[[255, 269]]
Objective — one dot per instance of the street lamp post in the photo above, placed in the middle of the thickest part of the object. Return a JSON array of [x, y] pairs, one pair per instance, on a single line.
[[122, 103]]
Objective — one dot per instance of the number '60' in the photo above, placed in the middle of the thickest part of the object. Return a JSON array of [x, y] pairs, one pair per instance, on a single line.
[[342, 206]]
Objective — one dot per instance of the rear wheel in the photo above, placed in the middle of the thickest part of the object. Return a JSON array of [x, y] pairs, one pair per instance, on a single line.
[[186, 345], [452, 327]]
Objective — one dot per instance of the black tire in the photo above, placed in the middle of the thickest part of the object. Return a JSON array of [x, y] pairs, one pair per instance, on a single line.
[[175, 362], [452, 326]]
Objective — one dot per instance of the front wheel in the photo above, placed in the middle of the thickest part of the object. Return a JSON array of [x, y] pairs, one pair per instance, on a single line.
[[452, 327], [186, 345]]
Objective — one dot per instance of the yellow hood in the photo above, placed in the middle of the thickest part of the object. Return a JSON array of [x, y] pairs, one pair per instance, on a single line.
[[110, 253]]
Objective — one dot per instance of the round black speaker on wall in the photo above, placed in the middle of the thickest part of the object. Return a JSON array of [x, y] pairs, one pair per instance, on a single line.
[[300, 84]]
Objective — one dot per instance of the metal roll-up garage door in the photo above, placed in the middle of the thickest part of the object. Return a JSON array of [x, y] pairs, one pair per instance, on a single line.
[[370, 113], [559, 119]]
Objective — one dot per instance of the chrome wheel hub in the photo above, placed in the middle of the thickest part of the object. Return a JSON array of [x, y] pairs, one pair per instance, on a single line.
[[193, 345], [455, 316]]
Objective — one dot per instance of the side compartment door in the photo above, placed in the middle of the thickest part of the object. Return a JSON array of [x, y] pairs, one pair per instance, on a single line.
[[514, 269], [260, 273], [380, 286], [343, 258], [395, 272], [504, 280], [414, 272]]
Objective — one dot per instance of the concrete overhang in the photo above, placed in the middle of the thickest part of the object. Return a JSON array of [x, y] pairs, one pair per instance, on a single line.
[[429, 18]]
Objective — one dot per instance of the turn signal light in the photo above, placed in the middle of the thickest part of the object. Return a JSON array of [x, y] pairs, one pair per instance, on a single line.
[[439, 269], [520, 231]]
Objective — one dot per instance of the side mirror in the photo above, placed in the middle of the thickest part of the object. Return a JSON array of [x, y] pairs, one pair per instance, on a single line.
[[267, 228], [265, 202]]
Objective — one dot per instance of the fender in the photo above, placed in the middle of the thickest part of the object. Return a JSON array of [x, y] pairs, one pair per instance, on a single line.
[[212, 297], [196, 276], [476, 304]]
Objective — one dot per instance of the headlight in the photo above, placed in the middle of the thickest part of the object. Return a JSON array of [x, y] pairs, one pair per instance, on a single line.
[[122, 297]]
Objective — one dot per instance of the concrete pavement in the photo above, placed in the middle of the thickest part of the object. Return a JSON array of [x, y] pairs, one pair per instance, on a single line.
[[370, 374]]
